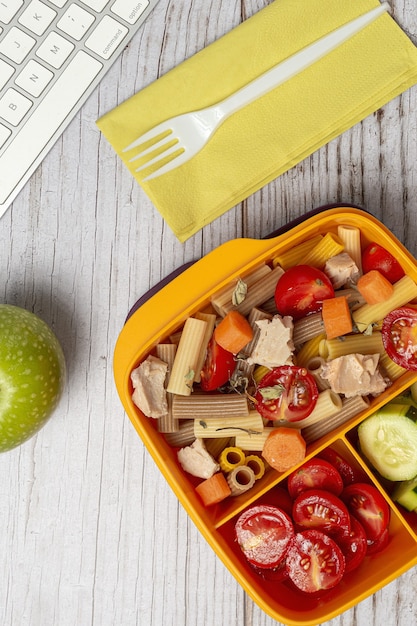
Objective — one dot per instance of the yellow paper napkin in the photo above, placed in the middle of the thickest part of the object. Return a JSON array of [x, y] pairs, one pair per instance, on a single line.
[[274, 133]]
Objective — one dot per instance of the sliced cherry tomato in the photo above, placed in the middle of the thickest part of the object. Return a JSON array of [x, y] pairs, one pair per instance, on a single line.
[[353, 544], [348, 473], [286, 393], [301, 290], [373, 547], [218, 366], [314, 562], [375, 257], [399, 336], [320, 509], [367, 504], [315, 474], [282, 499], [264, 533]]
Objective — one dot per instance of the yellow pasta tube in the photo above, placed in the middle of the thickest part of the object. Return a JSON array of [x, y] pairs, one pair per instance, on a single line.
[[210, 320], [240, 479], [351, 237], [216, 446], [350, 408], [256, 464], [209, 406], [230, 458], [309, 350], [222, 301], [230, 427], [187, 357], [307, 328], [253, 442], [260, 372], [328, 403], [352, 344], [167, 423], [329, 246], [314, 366], [391, 369], [295, 255], [405, 290]]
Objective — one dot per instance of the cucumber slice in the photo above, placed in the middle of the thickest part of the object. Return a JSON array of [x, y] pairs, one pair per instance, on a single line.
[[406, 494], [388, 439]]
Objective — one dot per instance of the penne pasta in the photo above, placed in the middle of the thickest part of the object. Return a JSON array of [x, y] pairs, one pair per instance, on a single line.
[[215, 446], [328, 246], [222, 301], [352, 344], [307, 327], [350, 408], [258, 293], [328, 403], [405, 290], [209, 406], [167, 423], [184, 436], [218, 427], [187, 357], [351, 237], [391, 369], [309, 350], [295, 255], [210, 320], [253, 442], [314, 366]]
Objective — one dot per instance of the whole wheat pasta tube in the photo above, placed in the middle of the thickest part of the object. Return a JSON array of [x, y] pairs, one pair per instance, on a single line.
[[167, 423], [209, 406], [222, 301], [351, 237], [210, 319], [187, 357], [296, 254], [328, 403], [240, 479], [184, 436], [219, 427], [309, 350], [307, 327], [352, 295], [352, 344], [405, 290], [329, 246], [257, 293], [253, 442], [350, 408]]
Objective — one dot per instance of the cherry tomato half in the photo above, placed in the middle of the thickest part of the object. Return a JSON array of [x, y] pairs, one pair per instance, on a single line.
[[218, 366], [264, 533], [353, 544], [375, 257], [315, 474], [320, 509], [348, 473], [399, 336], [314, 562], [301, 290], [379, 544], [286, 393], [367, 504]]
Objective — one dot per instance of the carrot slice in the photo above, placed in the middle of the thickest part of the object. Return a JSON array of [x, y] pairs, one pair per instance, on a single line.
[[213, 489], [284, 448], [336, 317], [233, 332], [374, 287]]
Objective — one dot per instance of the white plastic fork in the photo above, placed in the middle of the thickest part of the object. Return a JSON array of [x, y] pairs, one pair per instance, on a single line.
[[181, 137]]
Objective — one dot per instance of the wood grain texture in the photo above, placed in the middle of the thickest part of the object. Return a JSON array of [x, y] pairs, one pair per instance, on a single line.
[[90, 533]]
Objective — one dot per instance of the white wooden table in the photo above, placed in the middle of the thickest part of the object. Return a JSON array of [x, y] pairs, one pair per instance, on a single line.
[[90, 533]]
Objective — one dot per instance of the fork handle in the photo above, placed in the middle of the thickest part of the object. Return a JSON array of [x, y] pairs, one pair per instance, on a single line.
[[296, 63]]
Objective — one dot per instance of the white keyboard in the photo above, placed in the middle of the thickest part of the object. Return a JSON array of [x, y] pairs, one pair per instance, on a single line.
[[53, 53]]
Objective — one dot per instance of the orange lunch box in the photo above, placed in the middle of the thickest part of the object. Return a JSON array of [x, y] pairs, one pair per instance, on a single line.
[[155, 318]]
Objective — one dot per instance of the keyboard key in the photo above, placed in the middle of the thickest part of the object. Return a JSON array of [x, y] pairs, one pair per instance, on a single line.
[[4, 134], [96, 5], [129, 10], [55, 50], [6, 71], [34, 78], [106, 38], [14, 106], [16, 45], [37, 17], [58, 3], [75, 22], [8, 9], [58, 103]]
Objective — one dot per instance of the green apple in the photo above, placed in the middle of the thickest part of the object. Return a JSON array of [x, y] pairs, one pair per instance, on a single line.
[[32, 375]]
